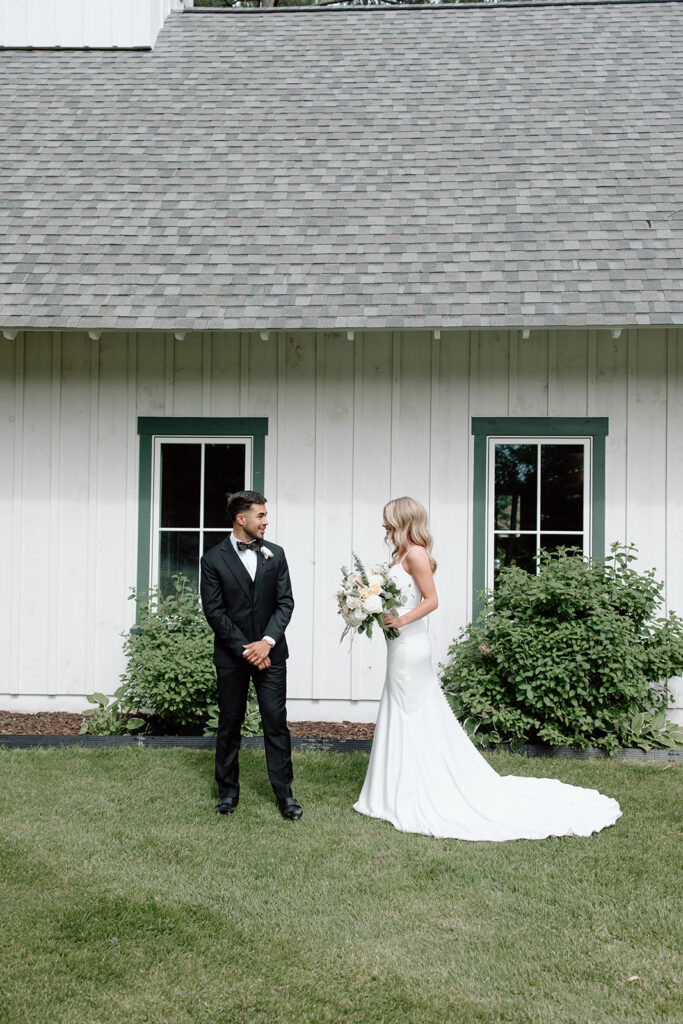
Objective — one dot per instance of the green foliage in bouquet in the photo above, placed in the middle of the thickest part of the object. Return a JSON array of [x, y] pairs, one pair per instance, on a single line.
[[574, 655], [170, 672]]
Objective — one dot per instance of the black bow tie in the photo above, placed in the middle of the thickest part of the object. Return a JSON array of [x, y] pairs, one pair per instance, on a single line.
[[253, 546]]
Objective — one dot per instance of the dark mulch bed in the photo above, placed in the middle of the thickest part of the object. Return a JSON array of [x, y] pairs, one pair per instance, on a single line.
[[45, 723], [335, 730], [63, 723]]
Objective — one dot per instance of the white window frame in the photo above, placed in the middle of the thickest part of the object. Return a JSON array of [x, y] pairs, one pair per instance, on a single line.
[[155, 519], [586, 533]]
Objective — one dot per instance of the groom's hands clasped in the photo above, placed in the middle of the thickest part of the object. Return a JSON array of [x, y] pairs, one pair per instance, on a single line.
[[258, 654]]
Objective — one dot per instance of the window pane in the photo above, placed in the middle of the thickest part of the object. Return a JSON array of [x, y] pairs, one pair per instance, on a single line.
[[223, 474], [515, 488], [562, 486], [178, 552], [553, 541], [211, 539], [514, 549], [180, 479]]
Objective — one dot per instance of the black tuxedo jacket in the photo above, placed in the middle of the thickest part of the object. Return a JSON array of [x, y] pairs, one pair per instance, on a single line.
[[240, 611]]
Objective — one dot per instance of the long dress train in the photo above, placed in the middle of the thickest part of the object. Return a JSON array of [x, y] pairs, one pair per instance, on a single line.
[[426, 776]]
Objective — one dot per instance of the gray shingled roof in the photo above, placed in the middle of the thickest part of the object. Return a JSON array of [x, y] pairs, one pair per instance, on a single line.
[[349, 168]]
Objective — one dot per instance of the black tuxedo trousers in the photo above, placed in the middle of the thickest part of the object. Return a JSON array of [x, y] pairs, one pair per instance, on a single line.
[[271, 691], [241, 611]]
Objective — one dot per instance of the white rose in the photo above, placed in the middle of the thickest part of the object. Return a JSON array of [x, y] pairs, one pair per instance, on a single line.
[[353, 617], [374, 580], [373, 604]]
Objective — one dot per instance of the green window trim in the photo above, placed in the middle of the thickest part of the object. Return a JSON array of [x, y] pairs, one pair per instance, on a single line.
[[150, 427], [485, 427]]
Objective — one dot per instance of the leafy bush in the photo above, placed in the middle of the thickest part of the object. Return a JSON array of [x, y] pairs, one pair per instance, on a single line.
[[572, 656], [170, 672], [251, 726], [109, 719], [649, 729]]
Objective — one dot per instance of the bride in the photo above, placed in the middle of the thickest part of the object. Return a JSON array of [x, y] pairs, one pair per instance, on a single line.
[[425, 775]]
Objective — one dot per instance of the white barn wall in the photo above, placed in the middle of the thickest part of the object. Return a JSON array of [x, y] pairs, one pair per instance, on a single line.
[[83, 23], [352, 421], [10, 473], [674, 489], [374, 448]]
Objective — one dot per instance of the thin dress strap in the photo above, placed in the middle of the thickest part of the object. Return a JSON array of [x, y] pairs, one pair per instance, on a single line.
[[411, 549]]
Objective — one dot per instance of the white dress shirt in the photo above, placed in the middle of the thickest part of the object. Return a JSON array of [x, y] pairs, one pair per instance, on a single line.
[[248, 559]]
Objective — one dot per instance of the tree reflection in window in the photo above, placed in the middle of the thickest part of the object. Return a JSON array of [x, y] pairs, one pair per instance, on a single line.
[[195, 479], [539, 500]]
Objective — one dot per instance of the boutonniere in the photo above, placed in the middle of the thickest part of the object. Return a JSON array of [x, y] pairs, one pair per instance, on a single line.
[[267, 553]]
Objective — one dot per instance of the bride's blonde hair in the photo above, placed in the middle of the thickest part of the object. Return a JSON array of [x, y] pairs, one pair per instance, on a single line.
[[408, 524]]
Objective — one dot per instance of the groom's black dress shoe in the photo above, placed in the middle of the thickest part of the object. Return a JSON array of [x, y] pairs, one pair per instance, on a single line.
[[227, 804], [290, 807]]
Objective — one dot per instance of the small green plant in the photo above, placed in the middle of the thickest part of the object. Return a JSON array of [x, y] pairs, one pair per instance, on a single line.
[[109, 718], [211, 724], [170, 672], [575, 655], [469, 724], [650, 729], [252, 725]]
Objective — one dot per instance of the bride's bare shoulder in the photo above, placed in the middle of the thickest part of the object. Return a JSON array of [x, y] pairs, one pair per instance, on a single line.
[[417, 555]]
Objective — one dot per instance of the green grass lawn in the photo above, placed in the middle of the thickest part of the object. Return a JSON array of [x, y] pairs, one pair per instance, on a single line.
[[125, 898]]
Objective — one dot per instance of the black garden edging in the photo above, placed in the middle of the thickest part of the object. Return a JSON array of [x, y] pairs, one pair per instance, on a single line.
[[336, 746], [191, 742]]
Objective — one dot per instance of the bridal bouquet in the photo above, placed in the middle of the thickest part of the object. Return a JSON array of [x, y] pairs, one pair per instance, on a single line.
[[364, 595]]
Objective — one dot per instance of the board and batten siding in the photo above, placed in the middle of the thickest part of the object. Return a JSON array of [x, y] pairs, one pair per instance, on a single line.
[[353, 420], [122, 24]]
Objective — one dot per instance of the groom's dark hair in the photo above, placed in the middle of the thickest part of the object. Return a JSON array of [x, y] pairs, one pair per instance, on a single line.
[[241, 501]]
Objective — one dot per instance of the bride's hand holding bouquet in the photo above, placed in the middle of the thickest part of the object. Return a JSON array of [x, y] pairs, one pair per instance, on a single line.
[[391, 621]]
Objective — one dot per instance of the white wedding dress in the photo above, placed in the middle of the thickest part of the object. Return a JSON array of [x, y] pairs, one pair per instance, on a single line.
[[426, 776]]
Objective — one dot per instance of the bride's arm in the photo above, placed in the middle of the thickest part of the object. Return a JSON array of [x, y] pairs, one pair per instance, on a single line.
[[418, 565]]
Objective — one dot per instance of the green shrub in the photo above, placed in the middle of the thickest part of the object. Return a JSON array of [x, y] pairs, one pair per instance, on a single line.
[[572, 656], [251, 726], [170, 672], [109, 718]]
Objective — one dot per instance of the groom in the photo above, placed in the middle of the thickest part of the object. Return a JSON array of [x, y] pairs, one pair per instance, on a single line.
[[247, 600]]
